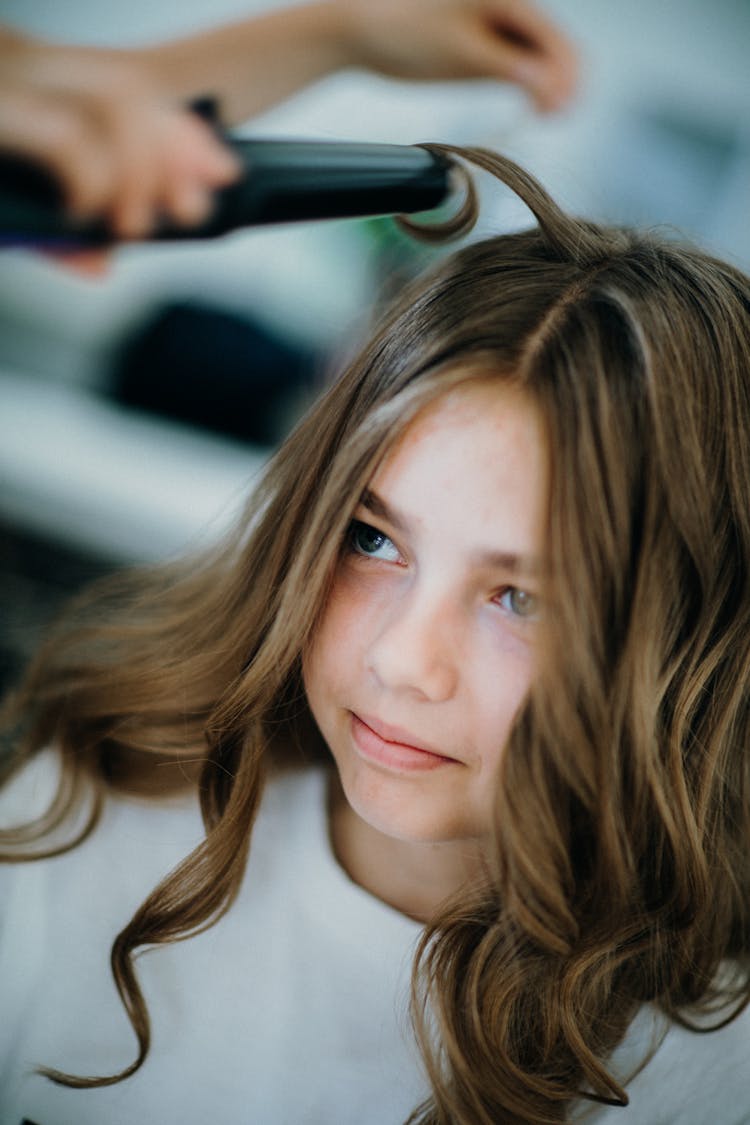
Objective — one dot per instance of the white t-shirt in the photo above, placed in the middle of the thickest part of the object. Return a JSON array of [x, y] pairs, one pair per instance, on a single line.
[[292, 1010], [693, 1079]]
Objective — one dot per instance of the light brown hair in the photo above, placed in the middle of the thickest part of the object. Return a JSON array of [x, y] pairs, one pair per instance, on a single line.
[[622, 873]]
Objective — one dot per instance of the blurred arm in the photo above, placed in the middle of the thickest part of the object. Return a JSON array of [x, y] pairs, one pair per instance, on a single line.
[[252, 64], [111, 125]]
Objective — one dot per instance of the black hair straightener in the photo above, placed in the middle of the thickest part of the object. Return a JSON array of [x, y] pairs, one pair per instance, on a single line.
[[282, 181]]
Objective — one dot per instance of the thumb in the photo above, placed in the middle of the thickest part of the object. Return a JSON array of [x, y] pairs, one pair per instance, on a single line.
[[489, 54]]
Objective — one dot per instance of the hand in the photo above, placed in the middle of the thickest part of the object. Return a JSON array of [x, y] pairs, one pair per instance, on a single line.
[[510, 40], [120, 149], [255, 63]]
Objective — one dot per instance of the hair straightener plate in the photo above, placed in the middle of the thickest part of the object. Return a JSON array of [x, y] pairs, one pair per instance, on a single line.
[[282, 181]]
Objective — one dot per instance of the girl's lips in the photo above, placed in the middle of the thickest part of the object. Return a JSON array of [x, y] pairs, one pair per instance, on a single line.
[[391, 747]]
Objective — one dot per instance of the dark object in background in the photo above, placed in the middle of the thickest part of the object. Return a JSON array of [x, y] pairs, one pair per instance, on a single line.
[[217, 370], [37, 577]]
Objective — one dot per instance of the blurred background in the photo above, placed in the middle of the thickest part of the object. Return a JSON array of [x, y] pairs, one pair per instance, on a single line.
[[136, 409]]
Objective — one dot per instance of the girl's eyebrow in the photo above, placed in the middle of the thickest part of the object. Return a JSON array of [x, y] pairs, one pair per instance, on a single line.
[[378, 507], [520, 565]]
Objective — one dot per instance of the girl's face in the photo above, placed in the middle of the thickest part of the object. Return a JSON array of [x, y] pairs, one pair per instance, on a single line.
[[428, 644]]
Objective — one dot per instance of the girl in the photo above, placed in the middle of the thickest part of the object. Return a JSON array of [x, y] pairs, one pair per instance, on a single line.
[[468, 686]]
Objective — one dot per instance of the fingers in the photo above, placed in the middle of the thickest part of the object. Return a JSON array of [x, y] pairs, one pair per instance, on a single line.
[[194, 165], [510, 40], [35, 127], [166, 164], [117, 149], [147, 162], [90, 264], [534, 52]]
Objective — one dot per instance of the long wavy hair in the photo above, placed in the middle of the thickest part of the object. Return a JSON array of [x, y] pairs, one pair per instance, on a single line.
[[622, 867]]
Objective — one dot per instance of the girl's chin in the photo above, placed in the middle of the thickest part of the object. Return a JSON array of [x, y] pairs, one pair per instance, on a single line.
[[411, 818]]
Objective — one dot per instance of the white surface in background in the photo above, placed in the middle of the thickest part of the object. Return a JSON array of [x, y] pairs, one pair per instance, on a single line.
[[127, 486]]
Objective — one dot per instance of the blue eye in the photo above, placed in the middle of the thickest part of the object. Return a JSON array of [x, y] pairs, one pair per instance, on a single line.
[[520, 603], [368, 541]]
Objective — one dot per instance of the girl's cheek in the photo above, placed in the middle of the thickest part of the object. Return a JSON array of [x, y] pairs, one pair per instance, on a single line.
[[367, 579], [356, 594], [508, 638]]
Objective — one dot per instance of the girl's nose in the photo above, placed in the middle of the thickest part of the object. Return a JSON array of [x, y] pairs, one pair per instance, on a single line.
[[416, 649]]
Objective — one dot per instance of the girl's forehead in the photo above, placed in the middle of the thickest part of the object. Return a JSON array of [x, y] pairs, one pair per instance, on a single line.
[[472, 463], [494, 415]]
